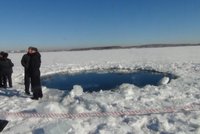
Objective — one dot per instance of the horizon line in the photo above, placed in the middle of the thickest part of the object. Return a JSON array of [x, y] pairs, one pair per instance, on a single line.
[[110, 47]]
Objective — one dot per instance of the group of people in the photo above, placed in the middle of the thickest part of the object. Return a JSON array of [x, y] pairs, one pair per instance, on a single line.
[[6, 70], [31, 62]]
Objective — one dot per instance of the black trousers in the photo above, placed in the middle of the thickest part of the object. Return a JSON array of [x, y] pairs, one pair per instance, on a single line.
[[27, 81], [36, 85], [9, 78], [3, 81]]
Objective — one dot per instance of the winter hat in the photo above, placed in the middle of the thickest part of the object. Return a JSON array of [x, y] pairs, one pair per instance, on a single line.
[[5, 55], [35, 49], [2, 53]]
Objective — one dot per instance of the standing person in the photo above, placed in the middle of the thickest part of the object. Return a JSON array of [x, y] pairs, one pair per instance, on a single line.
[[5, 65], [1, 69], [8, 70], [25, 63], [34, 71]]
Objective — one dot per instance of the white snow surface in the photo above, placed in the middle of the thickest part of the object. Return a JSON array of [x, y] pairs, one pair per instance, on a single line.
[[181, 61]]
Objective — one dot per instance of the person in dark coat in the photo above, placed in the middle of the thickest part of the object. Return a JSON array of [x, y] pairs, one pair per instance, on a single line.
[[7, 71], [25, 63], [6, 67], [1, 67], [34, 72]]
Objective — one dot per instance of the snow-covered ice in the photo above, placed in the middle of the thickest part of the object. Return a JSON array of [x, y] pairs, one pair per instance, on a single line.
[[181, 61]]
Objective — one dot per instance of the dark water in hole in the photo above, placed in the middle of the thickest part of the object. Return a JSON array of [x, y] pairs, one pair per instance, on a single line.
[[93, 81]]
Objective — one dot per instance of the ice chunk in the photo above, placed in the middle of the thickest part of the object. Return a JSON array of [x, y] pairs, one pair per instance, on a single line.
[[164, 81], [78, 109], [76, 91], [50, 107], [127, 90], [59, 127], [153, 125]]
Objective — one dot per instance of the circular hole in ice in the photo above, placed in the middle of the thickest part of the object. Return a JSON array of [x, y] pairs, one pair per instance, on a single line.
[[96, 81]]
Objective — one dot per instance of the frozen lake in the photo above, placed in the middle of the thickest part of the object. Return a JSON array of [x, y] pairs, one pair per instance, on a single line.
[[183, 62]]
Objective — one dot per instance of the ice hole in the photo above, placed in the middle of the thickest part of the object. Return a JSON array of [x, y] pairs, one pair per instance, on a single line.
[[96, 81]]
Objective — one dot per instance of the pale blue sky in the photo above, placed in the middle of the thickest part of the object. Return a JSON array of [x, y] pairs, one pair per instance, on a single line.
[[84, 23]]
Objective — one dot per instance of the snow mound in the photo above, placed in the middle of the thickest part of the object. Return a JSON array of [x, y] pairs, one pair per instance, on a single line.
[[164, 81], [76, 91], [59, 127], [127, 90], [77, 109], [51, 107]]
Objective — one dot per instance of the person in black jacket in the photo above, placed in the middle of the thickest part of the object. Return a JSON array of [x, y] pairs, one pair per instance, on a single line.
[[1, 67], [7, 71], [34, 72], [25, 63]]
